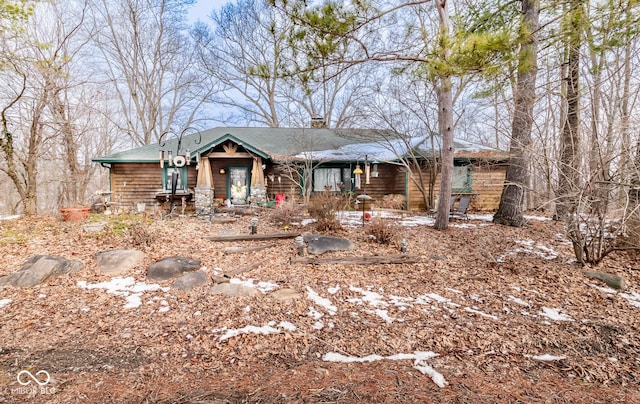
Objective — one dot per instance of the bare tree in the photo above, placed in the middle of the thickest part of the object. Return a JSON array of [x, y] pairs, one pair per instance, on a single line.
[[265, 74], [517, 177], [149, 60]]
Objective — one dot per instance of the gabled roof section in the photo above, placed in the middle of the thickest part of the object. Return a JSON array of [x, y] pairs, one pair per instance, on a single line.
[[267, 142]]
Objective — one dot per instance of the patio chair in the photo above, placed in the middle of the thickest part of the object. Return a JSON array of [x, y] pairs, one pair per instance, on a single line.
[[452, 202], [461, 210]]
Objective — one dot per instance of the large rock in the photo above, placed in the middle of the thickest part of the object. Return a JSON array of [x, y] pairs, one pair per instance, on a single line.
[[233, 289], [115, 262], [190, 281], [39, 268], [171, 267], [318, 244]]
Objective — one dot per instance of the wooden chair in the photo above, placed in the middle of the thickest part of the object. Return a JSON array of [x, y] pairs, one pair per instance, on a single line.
[[461, 210]]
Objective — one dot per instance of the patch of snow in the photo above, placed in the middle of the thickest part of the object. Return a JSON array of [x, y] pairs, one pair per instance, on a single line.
[[518, 301], [318, 325], [263, 287], [321, 301], [555, 314], [546, 357], [10, 217], [163, 309], [250, 329], [133, 301], [383, 314], [478, 312], [374, 299], [632, 297], [4, 302], [427, 370], [287, 326], [42, 296], [126, 287], [605, 290], [530, 247], [333, 290], [313, 313]]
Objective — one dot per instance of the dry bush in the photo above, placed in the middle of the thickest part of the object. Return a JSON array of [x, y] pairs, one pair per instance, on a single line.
[[382, 230], [285, 213], [323, 208], [139, 235], [393, 201]]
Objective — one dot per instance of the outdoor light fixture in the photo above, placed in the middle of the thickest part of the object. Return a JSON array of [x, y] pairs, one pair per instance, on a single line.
[[403, 246], [222, 171], [300, 243], [254, 225]]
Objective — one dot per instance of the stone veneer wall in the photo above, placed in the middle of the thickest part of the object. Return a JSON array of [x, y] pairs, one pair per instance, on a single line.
[[203, 200]]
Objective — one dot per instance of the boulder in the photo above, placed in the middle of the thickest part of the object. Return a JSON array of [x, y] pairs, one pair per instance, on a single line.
[[171, 267], [613, 281], [190, 281], [115, 262], [39, 268], [233, 289], [318, 244]]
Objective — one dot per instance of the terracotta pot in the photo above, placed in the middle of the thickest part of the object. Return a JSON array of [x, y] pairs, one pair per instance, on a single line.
[[75, 214]]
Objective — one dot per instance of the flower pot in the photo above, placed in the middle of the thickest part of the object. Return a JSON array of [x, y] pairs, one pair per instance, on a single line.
[[75, 213]]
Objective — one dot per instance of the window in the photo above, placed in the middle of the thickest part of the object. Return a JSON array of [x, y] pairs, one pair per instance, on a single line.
[[461, 182], [327, 179], [181, 172]]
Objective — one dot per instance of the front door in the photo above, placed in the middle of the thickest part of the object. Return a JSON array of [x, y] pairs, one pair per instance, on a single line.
[[238, 184]]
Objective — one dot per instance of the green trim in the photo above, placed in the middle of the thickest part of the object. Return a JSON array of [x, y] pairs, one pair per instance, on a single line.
[[183, 175], [468, 182]]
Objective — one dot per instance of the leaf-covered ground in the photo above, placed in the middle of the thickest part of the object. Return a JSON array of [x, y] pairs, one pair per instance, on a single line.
[[489, 314]]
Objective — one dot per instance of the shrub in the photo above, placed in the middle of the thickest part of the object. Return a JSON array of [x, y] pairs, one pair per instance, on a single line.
[[323, 207], [285, 213], [382, 230]]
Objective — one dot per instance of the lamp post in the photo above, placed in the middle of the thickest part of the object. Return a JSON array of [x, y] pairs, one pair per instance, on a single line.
[[179, 160]]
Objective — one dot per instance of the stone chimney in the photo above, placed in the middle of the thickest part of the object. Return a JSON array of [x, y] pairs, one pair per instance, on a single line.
[[318, 122]]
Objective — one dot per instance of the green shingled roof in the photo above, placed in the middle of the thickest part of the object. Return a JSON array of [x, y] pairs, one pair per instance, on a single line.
[[266, 142]]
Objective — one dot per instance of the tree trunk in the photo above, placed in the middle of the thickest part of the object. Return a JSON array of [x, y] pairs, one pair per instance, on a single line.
[[445, 123], [517, 178], [569, 178]]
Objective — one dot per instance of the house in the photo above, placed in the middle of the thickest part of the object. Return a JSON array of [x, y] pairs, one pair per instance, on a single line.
[[209, 167]]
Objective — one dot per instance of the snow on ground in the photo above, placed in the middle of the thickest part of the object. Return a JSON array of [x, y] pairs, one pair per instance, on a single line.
[[419, 357], [632, 297], [263, 287], [10, 217], [4, 302], [270, 328], [555, 314], [127, 287], [530, 247], [546, 357]]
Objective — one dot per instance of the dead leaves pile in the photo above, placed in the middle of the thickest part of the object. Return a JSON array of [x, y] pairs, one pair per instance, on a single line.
[[91, 344]]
